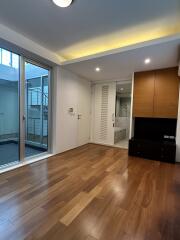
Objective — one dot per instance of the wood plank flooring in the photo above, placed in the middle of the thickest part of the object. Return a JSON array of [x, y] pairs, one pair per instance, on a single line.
[[91, 193]]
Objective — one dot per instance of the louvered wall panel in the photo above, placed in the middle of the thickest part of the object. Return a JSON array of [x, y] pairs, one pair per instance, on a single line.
[[103, 102], [104, 113]]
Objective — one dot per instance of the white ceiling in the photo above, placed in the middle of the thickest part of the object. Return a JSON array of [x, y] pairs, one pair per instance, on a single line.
[[120, 66], [90, 27], [89, 24]]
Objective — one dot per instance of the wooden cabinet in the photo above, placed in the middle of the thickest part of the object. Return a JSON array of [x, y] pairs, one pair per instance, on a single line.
[[156, 93], [166, 93], [143, 94]]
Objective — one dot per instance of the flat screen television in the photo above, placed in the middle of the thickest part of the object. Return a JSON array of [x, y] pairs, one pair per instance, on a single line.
[[158, 129]]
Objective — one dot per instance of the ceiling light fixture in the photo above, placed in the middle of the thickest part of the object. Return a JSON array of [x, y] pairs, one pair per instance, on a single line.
[[97, 69], [62, 3], [122, 89], [147, 60]]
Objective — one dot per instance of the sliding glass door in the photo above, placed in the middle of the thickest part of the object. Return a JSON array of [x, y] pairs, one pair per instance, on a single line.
[[24, 108], [36, 109], [9, 107]]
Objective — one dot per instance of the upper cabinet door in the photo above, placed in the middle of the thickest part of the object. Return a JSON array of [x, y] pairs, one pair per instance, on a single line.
[[166, 93], [143, 100]]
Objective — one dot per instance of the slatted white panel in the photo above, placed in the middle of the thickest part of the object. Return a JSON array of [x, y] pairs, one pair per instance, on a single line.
[[103, 101], [104, 113]]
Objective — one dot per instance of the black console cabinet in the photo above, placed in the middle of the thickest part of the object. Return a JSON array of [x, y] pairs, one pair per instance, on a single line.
[[154, 138], [156, 150]]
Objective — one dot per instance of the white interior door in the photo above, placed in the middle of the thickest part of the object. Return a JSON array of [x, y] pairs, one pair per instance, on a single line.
[[83, 112], [104, 113]]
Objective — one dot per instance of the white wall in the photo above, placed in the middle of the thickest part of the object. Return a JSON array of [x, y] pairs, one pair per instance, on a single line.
[[71, 92]]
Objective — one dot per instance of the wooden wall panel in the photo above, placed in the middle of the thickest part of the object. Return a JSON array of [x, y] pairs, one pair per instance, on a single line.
[[143, 94], [166, 93]]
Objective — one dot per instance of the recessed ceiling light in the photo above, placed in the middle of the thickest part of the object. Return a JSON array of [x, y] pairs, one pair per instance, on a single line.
[[97, 69], [62, 3], [147, 60]]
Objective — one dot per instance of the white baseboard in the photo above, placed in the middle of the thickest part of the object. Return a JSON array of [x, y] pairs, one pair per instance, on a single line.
[[108, 145]]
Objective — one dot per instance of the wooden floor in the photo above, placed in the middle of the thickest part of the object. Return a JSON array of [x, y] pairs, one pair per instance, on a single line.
[[91, 193]]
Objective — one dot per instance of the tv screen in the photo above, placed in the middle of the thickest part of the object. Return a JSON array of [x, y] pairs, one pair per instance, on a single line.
[[154, 128]]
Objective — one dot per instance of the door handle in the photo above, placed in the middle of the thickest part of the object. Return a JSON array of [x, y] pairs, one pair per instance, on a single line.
[[79, 116], [113, 117]]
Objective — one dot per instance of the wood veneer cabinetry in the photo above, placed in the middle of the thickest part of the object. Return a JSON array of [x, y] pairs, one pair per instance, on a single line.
[[156, 93], [166, 93], [143, 94]]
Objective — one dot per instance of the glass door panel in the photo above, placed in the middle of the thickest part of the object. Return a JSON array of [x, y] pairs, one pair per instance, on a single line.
[[9, 107], [36, 109]]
